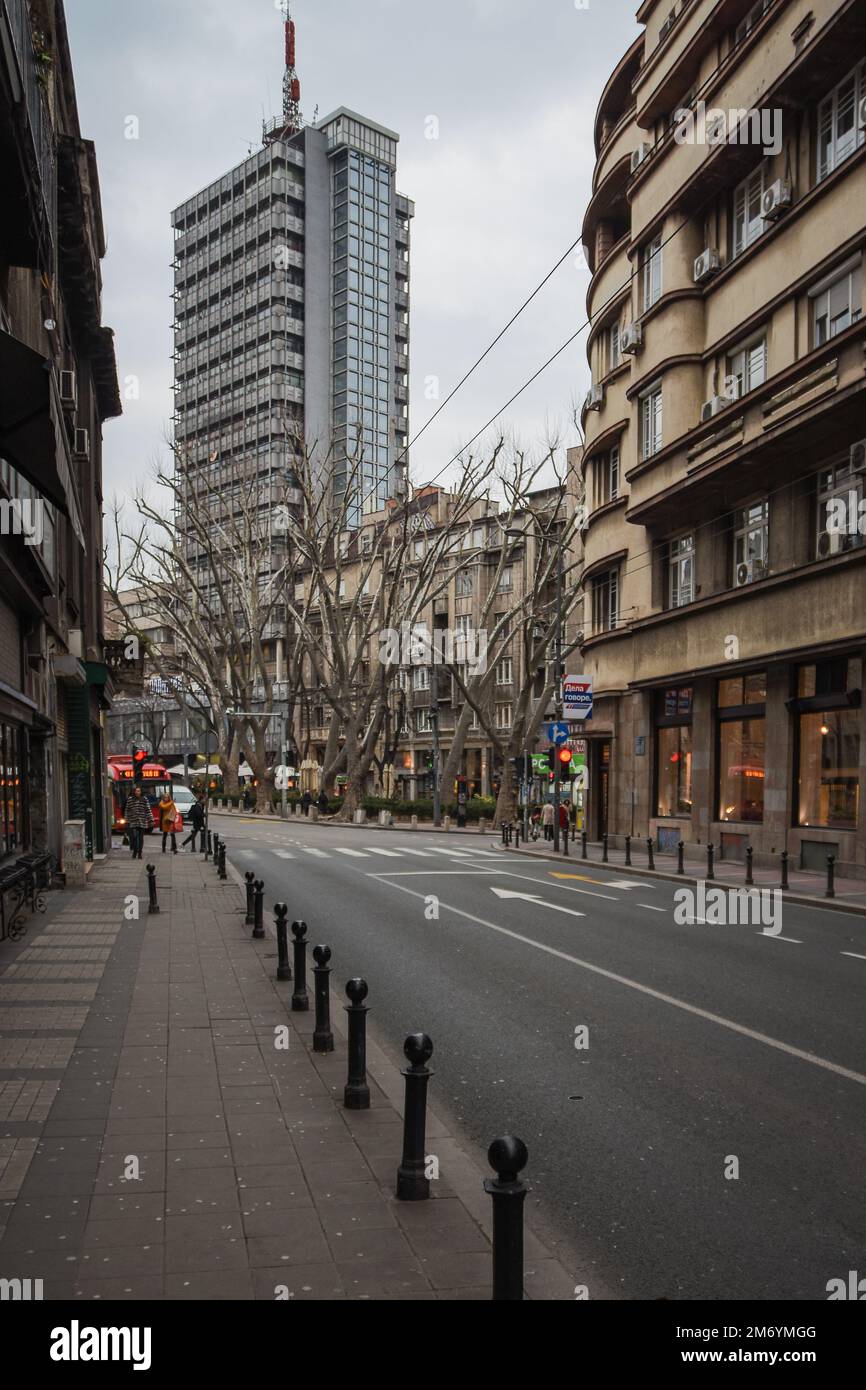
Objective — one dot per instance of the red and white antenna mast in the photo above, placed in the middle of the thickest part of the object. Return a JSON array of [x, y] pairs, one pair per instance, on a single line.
[[291, 82]]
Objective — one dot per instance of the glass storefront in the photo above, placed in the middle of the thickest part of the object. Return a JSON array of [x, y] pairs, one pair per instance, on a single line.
[[830, 769], [12, 828], [674, 751], [741, 763]]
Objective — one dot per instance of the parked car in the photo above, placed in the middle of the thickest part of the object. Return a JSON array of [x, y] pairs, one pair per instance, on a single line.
[[184, 801]]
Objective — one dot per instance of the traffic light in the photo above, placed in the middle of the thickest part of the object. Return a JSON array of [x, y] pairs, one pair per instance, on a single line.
[[139, 758], [565, 757], [551, 758]]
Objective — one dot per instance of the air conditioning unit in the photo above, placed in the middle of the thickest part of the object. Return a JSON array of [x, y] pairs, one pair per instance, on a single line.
[[829, 543], [639, 155], [706, 264], [631, 340], [749, 571], [712, 407], [82, 444], [68, 391], [858, 456], [861, 114], [776, 198], [594, 398]]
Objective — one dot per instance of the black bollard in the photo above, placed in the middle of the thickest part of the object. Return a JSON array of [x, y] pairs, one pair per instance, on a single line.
[[583, 850], [503, 833], [604, 858], [203, 840], [284, 970], [517, 837], [222, 861], [153, 905], [356, 1095], [250, 878], [323, 1038], [628, 851], [216, 853], [300, 998], [831, 876], [507, 1157], [784, 868], [413, 1185], [650, 854], [258, 910], [565, 839], [208, 851], [681, 850], [711, 860], [749, 876]]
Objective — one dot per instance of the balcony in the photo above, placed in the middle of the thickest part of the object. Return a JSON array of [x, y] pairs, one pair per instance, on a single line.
[[28, 165]]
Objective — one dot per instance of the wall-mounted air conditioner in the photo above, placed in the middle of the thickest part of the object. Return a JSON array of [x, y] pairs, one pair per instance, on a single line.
[[861, 114], [631, 340], [594, 398], [749, 571], [706, 264], [775, 200], [830, 543], [68, 391], [712, 407]]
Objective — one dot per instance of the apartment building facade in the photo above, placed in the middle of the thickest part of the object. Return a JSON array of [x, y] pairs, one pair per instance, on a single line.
[[58, 385], [725, 428]]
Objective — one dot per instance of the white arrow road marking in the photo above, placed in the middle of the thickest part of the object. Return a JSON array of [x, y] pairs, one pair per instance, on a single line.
[[539, 902], [527, 878], [675, 1003], [626, 883]]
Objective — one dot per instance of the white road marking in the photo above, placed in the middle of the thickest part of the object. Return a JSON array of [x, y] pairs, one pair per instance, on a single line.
[[793, 940], [282, 854], [854, 954], [625, 884], [539, 902], [429, 873], [419, 853], [388, 853], [353, 853], [670, 999], [585, 892], [650, 908], [317, 853]]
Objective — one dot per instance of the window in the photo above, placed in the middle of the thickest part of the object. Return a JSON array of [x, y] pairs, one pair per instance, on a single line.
[[605, 602], [681, 571], [614, 356], [607, 477], [503, 716], [505, 671], [674, 752], [651, 421], [745, 26], [746, 368], [421, 678], [651, 271], [837, 304], [13, 837], [465, 583], [741, 708], [748, 221], [839, 132], [423, 721], [751, 543], [828, 743], [839, 511], [506, 578]]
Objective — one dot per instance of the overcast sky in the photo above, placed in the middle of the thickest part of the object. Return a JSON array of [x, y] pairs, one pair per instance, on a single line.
[[499, 196]]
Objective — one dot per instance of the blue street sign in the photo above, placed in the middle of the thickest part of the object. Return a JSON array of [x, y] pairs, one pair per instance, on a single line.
[[557, 734]]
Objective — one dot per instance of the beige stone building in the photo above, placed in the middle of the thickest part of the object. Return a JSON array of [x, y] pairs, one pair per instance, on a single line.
[[726, 431]]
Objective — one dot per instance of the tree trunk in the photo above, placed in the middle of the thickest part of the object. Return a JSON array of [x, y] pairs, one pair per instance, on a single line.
[[506, 802], [353, 797], [455, 754]]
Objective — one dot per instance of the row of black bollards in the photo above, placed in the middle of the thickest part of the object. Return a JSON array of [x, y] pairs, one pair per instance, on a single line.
[[507, 1156]]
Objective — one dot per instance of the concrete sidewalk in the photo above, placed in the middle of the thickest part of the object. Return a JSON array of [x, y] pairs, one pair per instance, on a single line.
[[155, 1143], [805, 888]]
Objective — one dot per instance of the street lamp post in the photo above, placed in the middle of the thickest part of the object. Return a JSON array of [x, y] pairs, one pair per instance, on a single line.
[[434, 721], [270, 714]]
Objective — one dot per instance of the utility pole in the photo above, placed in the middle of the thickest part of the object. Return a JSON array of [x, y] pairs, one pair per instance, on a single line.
[[434, 723], [527, 793]]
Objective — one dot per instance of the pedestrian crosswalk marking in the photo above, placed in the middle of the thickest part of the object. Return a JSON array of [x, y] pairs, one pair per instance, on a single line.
[[354, 853], [421, 853], [388, 853], [318, 853], [282, 854]]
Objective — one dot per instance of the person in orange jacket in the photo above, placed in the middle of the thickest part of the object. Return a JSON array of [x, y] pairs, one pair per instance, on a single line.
[[168, 821]]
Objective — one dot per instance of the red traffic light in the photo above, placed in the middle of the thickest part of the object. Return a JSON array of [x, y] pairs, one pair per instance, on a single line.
[[565, 755]]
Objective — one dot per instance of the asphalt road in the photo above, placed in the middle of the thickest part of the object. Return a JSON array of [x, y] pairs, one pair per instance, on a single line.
[[711, 1048]]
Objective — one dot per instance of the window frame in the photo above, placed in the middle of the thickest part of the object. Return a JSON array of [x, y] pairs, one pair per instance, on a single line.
[[753, 228], [678, 559], [651, 421], [651, 272], [829, 106]]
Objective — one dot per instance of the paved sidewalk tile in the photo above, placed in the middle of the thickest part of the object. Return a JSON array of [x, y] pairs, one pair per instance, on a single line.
[[159, 1141]]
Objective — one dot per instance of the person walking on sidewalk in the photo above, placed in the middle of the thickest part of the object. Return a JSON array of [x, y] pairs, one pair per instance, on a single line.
[[139, 818], [306, 803], [547, 820], [167, 820], [324, 808], [196, 820]]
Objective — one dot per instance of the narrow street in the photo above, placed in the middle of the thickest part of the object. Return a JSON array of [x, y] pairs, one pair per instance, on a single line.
[[704, 1043]]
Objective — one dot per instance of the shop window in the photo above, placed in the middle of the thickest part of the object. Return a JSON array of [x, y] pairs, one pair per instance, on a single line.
[[828, 743], [674, 751], [12, 831], [741, 749]]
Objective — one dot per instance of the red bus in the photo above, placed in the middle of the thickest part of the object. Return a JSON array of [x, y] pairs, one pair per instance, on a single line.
[[155, 782]]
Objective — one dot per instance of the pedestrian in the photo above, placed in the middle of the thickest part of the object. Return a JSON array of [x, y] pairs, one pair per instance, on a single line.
[[323, 805], [139, 818], [249, 798], [167, 820], [563, 816], [547, 820], [306, 803], [196, 820]]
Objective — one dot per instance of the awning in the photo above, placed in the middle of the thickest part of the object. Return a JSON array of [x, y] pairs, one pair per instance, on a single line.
[[27, 437]]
